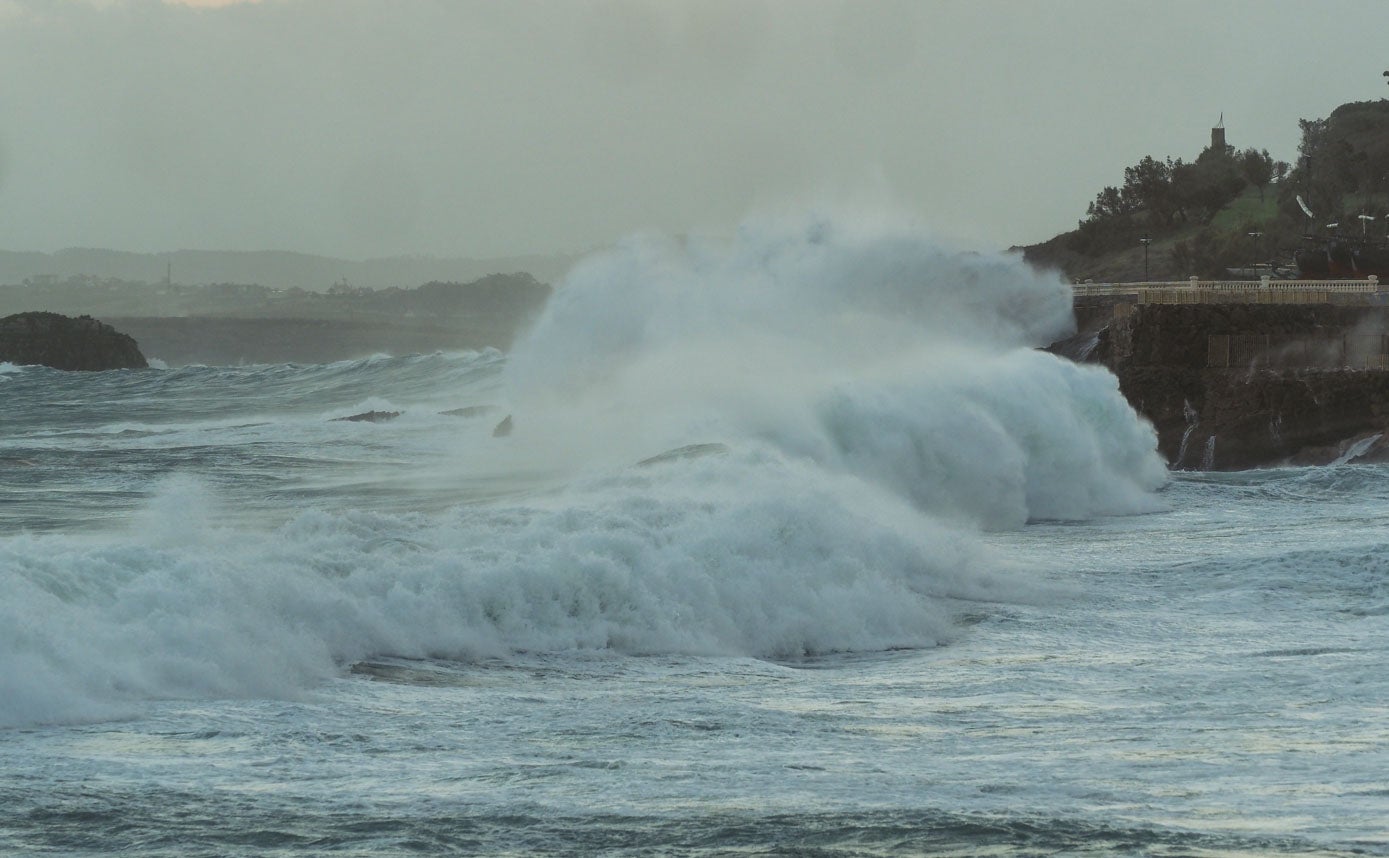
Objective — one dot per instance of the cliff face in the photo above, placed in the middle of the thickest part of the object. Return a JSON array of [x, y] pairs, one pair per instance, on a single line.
[[1232, 386], [61, 342]]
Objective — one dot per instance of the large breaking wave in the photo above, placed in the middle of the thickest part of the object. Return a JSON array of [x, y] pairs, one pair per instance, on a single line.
[[866, 404]]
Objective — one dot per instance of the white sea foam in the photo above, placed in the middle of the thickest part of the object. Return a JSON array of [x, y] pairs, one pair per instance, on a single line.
[[866, 349], [686, 556], [881, 405]]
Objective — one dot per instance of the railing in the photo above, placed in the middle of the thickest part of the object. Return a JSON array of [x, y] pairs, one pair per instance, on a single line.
[[1372, 285]]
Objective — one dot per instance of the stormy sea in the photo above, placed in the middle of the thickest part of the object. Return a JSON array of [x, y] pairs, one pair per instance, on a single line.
[[789, 543]]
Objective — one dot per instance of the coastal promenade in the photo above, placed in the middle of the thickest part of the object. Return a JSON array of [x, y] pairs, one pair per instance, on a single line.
[[1265, 291]]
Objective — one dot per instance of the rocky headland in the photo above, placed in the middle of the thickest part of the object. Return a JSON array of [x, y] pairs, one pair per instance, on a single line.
[[63, 342], [1231, 386]]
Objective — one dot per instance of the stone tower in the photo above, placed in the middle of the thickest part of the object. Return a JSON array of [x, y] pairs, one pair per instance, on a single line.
[[1218, 135]]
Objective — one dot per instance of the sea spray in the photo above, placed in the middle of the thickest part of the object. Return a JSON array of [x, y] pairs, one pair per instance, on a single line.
[[997, 440], [827, 297], [833, 341], [877, 403], [686, 556]]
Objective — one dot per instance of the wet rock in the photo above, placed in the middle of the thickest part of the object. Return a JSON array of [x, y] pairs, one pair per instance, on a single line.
[[63, 342], [1231, 386], [369, 417]]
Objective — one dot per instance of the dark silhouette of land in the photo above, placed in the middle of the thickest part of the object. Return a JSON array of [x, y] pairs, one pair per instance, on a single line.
[[272, 269], [54, 340], [232, 323]]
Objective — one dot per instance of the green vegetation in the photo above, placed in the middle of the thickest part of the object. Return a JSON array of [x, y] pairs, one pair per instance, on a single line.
[[1250, 207], [1157, 197], [1230, 209], [1343, 165]]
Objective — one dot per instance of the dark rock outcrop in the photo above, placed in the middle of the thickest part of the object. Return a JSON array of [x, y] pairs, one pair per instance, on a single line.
[[63, 342], [368, 417], [1233, 386]]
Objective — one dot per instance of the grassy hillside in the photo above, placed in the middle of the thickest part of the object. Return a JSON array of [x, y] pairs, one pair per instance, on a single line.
[[1209, 217], [1222, 243]]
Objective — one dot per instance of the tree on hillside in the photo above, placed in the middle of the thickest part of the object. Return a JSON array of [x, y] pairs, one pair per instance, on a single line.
[[1148, 184], [1109, 203], [1257, 168], [1185, 188], [1221, 181], [1204, 187], [1172, 189], [1313, 136], [1344, 163]]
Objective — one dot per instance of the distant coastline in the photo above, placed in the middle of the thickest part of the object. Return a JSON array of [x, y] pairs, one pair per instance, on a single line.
[[230, 323], [271, 268]]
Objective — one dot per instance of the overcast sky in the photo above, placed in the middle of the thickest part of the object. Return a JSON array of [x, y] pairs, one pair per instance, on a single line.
[[364, 128]]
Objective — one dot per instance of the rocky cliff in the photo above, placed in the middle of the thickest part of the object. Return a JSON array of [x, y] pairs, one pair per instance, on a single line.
[[62, 342], [1232, 386]]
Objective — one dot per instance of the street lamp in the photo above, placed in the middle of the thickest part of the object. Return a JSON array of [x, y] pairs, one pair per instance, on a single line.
[[1146, 241], [1256, 235]]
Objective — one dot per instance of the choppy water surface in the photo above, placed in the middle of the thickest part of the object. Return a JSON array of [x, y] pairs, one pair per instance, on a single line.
[[926, 591]]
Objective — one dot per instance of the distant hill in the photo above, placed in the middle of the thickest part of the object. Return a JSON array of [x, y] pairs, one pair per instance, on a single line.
[[1231, 213], [274, 269], [237, 323]]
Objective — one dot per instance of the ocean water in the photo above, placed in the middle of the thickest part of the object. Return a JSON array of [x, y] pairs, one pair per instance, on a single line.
[[797, 546]]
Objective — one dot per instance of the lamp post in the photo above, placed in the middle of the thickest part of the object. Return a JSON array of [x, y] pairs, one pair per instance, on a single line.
[[1256, 235], [1146, 241]]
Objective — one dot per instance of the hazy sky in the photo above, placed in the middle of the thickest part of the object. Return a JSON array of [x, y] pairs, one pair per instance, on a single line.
[[363, 128]]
